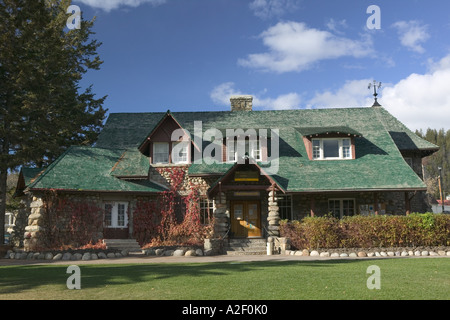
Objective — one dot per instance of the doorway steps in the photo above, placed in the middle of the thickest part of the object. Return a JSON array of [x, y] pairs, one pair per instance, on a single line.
[[131, 245], [247, 246]]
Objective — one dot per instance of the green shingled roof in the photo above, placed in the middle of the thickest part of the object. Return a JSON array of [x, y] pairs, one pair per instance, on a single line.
[[379, 164], [89, 169]]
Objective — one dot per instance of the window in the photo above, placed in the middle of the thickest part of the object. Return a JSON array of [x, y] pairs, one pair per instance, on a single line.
[[206, 211], [161, 152], [331, 148], [180, 152], [115, 215], [285, 204], [234, 151], [341, 207]]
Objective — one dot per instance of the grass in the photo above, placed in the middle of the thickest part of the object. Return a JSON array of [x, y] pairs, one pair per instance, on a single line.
[[401, 279]]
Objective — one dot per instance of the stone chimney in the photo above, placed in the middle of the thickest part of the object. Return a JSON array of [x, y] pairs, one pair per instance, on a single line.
[[241, 103]]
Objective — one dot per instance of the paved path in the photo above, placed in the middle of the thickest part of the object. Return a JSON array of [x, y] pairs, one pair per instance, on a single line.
[[139, 258]]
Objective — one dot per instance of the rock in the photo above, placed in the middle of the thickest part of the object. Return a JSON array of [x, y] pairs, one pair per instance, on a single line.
[[305, 252], [441, 252], [417, 253], [86, 256], [377, 254], [410, 253], [169, 252], [314, 253], [362, 254], [424, 253], [352, 255], [178, 253], [397, 253], [334, 255], [36, 255], [325, 254], [48, 256], [159, 252], [190, 253], [124, 253], [383, 254], [199, 252], [404, 254], [67, 256], [110, 255], [58, 256], [30, 256], [118, 255], [390, 253], [370, 254], [101, 255], [77, 256], [343, 255], [448, 253], [432, 253], [94, 256], [41, 256], [298, 253]]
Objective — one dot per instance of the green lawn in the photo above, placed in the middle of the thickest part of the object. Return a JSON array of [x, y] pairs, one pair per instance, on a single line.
[[412, 278]]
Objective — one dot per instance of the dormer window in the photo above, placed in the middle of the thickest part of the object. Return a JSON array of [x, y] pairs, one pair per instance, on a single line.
[[161, 152], [238, 149], [331, 148]]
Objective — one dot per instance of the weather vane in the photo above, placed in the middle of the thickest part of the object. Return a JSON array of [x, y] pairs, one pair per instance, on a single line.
[[375, 94]]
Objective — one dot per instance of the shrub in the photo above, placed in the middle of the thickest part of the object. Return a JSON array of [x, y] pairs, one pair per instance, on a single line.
[[368, 231]]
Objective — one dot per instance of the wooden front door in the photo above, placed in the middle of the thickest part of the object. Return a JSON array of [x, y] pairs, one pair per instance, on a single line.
[[245, 219]]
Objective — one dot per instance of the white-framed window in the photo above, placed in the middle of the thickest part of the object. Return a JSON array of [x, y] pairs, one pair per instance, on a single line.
[[161, 152], [341, 207], [9, 219], [206, 211], [331, 148], [285, 206], [116, 215], [180, 152], [251, 149]]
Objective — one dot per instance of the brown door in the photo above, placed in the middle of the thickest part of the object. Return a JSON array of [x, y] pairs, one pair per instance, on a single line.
[[245, 219]]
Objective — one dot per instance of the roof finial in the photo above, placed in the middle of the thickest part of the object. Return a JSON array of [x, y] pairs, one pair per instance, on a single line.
[[375, 94]]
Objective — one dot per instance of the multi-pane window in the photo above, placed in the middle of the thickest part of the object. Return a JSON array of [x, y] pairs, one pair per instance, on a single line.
[[206, 211], [239, 149], [341, 207], [285, 206], [331, 148], [180, 152], [160, 152], [115, 214]]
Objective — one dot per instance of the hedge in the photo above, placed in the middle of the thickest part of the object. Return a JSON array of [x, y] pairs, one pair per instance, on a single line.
[[413, 230]]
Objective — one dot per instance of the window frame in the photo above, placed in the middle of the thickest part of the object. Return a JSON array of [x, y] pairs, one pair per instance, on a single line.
[[232, 153], [118, 218], [286, 205], [341, 207], [321, 149], [206, 210], [154, 161]]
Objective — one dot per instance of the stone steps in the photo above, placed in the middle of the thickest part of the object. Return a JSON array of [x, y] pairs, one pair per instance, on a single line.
[[249, 246], [123, 244]]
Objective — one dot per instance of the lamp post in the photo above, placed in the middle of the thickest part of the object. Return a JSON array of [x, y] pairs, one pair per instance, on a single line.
[[441, 191]]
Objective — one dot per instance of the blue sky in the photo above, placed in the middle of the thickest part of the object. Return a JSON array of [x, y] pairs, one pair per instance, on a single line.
[[191, 55]]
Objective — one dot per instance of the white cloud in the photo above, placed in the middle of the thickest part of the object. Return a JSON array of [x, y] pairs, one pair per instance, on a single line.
[[292, 46], [109, 5], [421, 101], [412, 34], [352, 94], [266, 9], [221, 95]]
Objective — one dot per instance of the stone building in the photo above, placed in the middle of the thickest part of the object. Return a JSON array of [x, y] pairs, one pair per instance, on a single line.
[[252, 168]]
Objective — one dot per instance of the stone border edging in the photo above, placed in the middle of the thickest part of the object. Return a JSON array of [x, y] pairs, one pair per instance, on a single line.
[[372, 253]]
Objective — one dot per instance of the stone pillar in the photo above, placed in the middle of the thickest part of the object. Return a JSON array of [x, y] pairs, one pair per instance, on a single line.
[[31, 235], [220, 215], [274, 216]]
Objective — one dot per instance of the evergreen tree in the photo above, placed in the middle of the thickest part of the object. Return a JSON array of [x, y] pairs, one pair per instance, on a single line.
[[43, 109], [440, 159]]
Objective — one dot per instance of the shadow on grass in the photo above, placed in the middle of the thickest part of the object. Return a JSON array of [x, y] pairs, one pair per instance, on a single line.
[[15, 279]]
